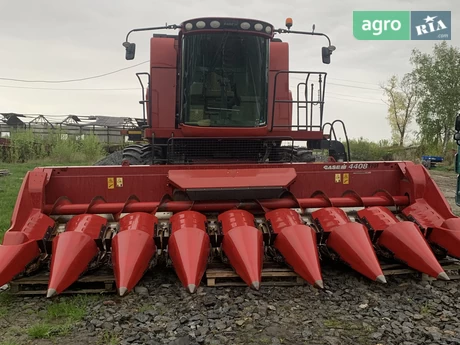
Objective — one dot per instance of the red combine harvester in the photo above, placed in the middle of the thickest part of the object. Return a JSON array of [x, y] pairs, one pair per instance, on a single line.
[[229, 173]]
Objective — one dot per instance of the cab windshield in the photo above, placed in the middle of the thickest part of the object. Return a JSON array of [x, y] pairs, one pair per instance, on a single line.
[[224, 80]]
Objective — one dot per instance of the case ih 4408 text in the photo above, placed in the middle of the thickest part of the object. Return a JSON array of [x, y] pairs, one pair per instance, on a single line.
[[223, 177]]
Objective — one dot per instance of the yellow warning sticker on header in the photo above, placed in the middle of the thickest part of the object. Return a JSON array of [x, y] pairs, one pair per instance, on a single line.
[[346, 178], [119, 182], [337, 178], [110, 183]]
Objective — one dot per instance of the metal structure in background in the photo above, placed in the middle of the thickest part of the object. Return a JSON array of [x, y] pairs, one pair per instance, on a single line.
[[109, 129]]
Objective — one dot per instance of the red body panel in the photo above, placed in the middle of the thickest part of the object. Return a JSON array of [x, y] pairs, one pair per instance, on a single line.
[[431, 211], [243, 245], [189, 247], [350, 241], [28, 226], [150, 183], [443, 232], [404, 239], [279, 61], [232, 132], [163, 72], [297, 243], [197, 131], [163, 95], [74, 249], [115, 190], [15, 258], [232, 178], [132, 249]]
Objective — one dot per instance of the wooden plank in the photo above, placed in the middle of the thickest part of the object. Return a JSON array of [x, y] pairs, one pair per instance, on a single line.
[[263, 283], [211, 282], [229, 273], [65, 292], [399, 271], [218, 274], [228, 277], [43, 278], [97, 282], [390, 266]]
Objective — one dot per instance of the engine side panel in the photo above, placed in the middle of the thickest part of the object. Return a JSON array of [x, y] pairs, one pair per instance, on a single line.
[[279, 61], [163, 72]]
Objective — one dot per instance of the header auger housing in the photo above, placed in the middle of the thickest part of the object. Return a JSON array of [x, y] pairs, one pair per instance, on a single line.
[[220, 180]]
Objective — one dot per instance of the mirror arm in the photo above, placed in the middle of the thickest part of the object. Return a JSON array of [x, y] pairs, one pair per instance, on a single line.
[[284, 31], [173, 26]]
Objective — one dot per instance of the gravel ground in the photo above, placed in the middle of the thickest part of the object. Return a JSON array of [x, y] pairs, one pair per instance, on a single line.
[[447, 183], [114, 158], [353, 310]]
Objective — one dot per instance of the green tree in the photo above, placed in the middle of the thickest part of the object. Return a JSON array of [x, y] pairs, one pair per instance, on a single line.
[[402, 101], [438, 79]]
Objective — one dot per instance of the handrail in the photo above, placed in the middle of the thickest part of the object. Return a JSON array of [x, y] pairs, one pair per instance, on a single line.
[[320, 101], [143, 93], [346, 136]]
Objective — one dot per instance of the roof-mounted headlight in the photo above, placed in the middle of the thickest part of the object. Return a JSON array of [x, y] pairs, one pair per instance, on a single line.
[[215, 24], [245, 25], [258, 27]]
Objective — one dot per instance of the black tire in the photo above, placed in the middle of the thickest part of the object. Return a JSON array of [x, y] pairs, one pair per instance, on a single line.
[[137, 154], [141, 154]]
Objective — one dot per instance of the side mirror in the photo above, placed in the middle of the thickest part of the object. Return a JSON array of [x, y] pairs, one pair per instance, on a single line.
[[130, 50], [457, 123], [326, 53]]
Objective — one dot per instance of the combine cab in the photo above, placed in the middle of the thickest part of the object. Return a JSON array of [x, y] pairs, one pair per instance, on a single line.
[[228, 173]]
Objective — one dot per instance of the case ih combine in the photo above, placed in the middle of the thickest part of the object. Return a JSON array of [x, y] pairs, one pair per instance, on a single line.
[[228, 174]]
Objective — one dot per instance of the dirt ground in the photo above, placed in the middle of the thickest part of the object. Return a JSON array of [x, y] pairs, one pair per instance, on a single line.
[[447, 183]]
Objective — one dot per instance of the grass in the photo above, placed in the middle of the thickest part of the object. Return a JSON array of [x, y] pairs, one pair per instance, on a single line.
[[29, 150], [3, 311], [56, 320], [9, 188], [8, 342], [108, 338], [5, 297], [10, 185], [46, 330], [425, 309], [356, 328], [72, 309], [60, 317], [445, 168]]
